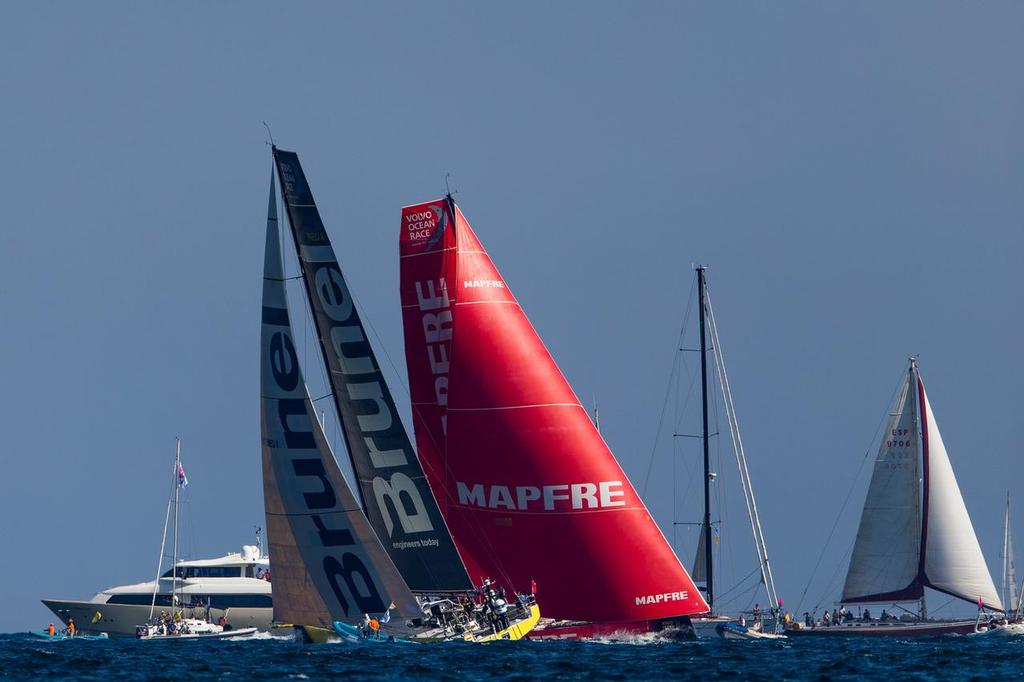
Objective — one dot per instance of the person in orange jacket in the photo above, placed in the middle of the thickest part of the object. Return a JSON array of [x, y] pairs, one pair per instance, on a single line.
[[51, 631], [71, 626]]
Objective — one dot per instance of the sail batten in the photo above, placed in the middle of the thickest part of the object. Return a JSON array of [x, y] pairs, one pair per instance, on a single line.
[[527, 485], [398, 500]]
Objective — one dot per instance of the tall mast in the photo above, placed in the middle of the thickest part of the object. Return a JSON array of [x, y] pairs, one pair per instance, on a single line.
[[1009, 577], [174, 551], [922, 441], [708, 550]]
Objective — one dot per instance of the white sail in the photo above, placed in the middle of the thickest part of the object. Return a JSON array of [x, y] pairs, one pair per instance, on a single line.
[[327, 564], [954, 563], [885, 563]]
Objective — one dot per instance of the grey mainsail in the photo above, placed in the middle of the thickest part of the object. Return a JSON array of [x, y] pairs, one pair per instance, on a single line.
[[326, 561], [886, 558], [397, 498]]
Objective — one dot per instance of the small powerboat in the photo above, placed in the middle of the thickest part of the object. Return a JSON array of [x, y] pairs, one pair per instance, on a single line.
[[351, 633], [734, 630], [998, 629], [63, 635]]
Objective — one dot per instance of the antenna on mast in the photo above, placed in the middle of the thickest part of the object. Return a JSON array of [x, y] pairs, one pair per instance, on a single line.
[[269, 134], [447, 187]]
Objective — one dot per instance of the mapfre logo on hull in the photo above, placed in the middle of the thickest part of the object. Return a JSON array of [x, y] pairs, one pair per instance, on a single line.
[[652, 599]]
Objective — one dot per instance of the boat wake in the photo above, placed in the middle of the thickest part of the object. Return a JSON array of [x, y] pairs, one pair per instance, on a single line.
[[254, 637], [636, 639]]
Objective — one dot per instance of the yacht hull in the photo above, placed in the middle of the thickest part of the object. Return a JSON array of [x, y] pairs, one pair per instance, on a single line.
[[120, 620], [673, 628], [900, 630]]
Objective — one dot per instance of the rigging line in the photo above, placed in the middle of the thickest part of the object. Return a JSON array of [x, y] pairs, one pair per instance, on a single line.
[[760, 544], [721, 499], [368, 321], [833, 582], [738, 585], [668, 391], [849, 492]]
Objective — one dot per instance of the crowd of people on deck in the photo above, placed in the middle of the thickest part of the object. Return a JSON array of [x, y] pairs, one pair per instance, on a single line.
[[842, 616], [489, 607]]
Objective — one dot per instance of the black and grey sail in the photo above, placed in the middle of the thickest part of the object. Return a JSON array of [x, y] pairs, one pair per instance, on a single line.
[[397, 499], [327, 562]]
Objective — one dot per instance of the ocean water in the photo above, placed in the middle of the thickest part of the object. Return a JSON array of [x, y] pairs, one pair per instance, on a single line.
[[951, 657]]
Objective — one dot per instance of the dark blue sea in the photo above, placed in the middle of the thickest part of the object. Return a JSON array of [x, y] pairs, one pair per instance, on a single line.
[[22, 657]]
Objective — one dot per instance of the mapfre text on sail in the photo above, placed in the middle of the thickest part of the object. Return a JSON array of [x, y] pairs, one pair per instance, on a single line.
[[561, 497]]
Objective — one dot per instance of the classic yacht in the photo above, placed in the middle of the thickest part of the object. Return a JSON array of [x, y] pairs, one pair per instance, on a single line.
[[235, 586]]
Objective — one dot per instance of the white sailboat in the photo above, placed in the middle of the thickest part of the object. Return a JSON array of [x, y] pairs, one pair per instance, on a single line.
[[1013, 624], [177, 625], [1009, 568], [761, 625], [915, 532]]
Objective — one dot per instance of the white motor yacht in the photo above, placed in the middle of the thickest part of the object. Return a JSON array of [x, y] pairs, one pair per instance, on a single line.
[[235, 587]]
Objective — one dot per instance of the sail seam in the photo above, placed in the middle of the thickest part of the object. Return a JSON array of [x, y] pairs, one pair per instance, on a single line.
[[510, 407], [426, 253], [461, 303]]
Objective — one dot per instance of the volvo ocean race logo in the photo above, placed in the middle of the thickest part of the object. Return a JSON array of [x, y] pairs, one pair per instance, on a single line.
[[428, 224], [350, 581]]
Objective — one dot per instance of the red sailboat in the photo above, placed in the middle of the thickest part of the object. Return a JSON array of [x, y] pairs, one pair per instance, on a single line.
[[527, 486]]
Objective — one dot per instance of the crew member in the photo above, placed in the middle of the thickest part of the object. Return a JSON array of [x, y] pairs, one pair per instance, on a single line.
[[51, 631], [71, 626], [501, 611]]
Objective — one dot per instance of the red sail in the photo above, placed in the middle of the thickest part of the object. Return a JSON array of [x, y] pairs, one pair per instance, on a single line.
[[527, 485]]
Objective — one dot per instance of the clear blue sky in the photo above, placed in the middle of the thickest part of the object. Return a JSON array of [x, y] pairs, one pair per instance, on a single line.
[[852, 172]]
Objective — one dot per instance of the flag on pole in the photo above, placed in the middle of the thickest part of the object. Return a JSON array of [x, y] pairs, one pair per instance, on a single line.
[[182, 478]]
